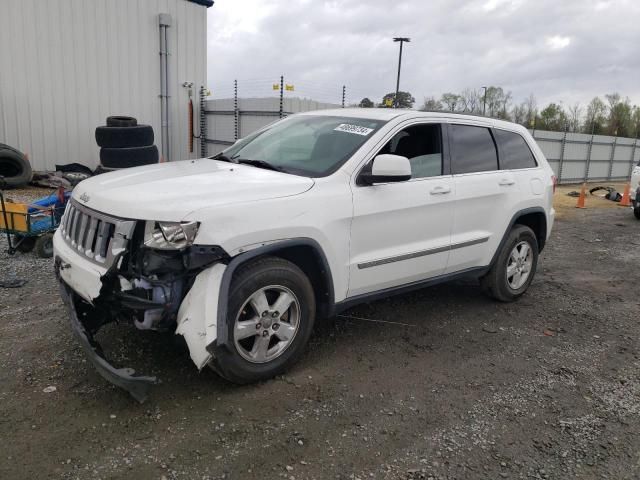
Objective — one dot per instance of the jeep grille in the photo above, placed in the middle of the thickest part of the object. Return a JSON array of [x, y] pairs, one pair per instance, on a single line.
[[96, 236]]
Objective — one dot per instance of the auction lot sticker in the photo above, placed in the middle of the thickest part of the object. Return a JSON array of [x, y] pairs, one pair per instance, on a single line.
[[357, 129]]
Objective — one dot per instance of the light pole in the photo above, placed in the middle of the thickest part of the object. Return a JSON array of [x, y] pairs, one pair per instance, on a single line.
[[484, 101], [401, 40]]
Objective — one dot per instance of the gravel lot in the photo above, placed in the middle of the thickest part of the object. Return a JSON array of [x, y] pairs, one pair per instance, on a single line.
[[548, 387]]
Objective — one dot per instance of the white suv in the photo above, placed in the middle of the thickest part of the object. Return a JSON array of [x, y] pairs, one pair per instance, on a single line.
[[635, 190], [302, 219]]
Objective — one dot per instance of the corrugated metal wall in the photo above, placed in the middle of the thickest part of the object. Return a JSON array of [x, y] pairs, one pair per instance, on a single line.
[[580, 157], [65, 65]]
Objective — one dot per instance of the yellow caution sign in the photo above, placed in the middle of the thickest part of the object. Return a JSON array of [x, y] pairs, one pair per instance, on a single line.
[[388, 102], [276, 86], [289, 88]]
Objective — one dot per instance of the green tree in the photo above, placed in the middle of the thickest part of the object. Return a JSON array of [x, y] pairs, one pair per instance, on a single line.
[[595, 120], [552, 117], [450, 101], [405, 100], [620, 121], [366, 103]]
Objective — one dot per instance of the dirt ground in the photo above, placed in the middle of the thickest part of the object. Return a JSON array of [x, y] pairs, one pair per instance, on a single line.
[[547, 387]]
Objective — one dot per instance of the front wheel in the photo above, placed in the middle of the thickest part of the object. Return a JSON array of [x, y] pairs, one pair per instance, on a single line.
[[271, 315], [515, 267]]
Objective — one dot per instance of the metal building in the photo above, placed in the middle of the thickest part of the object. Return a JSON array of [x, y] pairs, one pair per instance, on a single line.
[[65, 65]]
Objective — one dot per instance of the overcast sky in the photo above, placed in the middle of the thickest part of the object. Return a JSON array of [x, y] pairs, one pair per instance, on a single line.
[[560, 50]]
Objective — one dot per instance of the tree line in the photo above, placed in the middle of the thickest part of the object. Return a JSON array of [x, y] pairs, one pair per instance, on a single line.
[[614, 115]]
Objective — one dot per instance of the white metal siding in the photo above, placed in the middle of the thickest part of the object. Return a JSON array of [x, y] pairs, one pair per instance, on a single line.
[[65, 65]]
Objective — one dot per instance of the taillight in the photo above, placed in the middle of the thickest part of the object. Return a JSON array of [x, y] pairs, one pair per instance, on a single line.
[[554, 179]]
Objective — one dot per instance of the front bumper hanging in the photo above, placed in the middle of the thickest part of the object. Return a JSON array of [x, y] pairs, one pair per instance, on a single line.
[[137, 386]]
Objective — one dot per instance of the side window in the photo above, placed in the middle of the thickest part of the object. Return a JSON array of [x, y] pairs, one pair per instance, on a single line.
[[472, 149], [422, 145], [515, 153]]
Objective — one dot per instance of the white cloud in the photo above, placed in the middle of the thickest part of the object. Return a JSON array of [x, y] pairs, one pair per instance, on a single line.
[[556, 50], [558, 42]]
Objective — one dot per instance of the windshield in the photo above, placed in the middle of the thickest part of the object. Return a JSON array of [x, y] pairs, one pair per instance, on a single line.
[[313, 146]]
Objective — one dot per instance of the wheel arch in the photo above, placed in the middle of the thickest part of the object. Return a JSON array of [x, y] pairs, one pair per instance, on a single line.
[[534, 218], [306, 253]]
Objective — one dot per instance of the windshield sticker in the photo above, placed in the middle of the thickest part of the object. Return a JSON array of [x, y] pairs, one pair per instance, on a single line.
[[357, 129]]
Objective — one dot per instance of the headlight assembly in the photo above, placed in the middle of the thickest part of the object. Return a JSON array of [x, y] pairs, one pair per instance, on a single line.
[[170, 235]]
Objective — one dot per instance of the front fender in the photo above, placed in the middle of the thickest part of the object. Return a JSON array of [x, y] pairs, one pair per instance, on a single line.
[[198, 313], [202, 316]]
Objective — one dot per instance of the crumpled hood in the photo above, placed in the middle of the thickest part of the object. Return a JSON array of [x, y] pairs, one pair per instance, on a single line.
[[170, 191]]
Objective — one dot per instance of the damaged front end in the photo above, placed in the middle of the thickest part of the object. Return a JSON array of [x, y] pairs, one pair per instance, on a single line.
[[125, 271]]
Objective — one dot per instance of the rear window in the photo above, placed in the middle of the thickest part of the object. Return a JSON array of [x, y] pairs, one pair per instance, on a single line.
[[514, 151], [473, 149]]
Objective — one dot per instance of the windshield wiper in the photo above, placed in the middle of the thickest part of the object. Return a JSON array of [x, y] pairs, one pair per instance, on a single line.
[[224, 158], [260, 164]]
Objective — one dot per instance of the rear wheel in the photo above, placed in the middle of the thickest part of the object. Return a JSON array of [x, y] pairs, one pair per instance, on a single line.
[[44, 246], [515, 267], [271, 316], [23, 244]]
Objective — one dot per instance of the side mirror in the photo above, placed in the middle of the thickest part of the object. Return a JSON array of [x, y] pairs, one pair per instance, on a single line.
[[387, 168]]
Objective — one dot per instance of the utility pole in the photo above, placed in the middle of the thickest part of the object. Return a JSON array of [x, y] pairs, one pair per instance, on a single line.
[[401, 40], [484, 101]]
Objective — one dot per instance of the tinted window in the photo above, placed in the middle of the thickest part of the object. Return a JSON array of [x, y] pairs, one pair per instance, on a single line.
[[473, 149], [422, 145], [514, 151]]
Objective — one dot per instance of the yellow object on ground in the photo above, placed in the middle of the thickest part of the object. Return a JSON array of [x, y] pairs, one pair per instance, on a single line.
[[16, 216]]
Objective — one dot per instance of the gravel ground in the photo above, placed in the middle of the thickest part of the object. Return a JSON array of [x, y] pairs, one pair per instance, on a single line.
[[547, 387]]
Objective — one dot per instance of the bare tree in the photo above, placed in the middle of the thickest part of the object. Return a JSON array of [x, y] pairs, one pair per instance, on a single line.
[[519, 114], [531, 106], [470, 101], [431, 105], [575, 115]]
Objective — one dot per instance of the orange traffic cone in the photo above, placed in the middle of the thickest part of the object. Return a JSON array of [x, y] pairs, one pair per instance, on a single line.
[[626, 200], [583, 195]]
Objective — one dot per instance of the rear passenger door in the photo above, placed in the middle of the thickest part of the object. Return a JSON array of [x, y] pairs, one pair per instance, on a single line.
[[516, 157], [485, 196]]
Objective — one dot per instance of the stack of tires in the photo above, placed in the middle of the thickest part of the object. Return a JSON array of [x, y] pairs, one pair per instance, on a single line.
[[125, 144]]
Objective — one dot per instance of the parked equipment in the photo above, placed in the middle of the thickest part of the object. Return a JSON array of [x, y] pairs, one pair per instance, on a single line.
[[125, 144], [32, 225]]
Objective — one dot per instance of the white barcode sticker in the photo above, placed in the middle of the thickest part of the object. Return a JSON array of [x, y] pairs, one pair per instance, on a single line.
[[357, 129]]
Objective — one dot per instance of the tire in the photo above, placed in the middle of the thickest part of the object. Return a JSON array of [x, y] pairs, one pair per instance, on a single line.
[[44, 246], [495, 283], [636, 212], [273, 276], [14, 167], [24, 244], [128, 157], [121, 121], [124, 137]]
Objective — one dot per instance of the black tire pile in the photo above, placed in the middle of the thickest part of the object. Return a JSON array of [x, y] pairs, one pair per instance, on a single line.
[[15, 169], [125, 144]]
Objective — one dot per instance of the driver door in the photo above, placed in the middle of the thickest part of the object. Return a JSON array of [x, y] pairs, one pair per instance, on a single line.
[[401, 231]]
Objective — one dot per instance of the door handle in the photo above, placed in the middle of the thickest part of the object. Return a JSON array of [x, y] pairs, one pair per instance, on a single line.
[[440, 190], [505, 182]]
